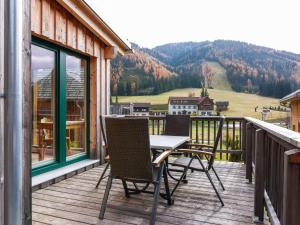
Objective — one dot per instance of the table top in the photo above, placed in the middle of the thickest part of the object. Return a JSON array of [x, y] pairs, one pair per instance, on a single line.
[[167, 141]]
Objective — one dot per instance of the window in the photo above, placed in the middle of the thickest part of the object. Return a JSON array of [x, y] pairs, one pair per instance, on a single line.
[[174, 107], [60, 106], [184, 106]]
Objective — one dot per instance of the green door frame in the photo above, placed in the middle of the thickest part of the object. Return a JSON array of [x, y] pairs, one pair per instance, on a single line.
[[60, 107]]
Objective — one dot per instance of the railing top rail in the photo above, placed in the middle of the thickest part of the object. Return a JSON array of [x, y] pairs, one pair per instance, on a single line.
[[285, 134], [202, 117]]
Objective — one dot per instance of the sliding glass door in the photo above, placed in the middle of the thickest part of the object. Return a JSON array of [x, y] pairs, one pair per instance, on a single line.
[[60, 106]]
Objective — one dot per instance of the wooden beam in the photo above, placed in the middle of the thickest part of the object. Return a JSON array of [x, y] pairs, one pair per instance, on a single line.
[[243, 140], [291, 188], [83, 13], [27, 112], [249, 152], [110, 52], [259, 175]]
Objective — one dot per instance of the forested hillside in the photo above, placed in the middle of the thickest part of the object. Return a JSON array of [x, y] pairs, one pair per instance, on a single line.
[[249, 68]]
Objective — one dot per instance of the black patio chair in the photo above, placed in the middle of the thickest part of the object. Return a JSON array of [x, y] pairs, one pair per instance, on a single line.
[[176, 125], [130, 159], [195, 163]]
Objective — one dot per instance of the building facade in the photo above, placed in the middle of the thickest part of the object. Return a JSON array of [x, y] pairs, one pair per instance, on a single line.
[[202, 106], [56, 57], [293, 101]]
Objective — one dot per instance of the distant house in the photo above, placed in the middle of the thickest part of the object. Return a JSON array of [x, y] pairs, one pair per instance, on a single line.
[[222, 106], [293, 100], [202, 106], [135, 109], [120, 108], [140, 109]]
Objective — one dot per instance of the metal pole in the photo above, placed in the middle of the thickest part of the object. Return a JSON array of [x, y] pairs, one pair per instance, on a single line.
[[14, 149], [1, 112]]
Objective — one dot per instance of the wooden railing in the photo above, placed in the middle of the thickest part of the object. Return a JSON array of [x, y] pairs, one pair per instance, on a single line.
[[204, 130], [273, 156]]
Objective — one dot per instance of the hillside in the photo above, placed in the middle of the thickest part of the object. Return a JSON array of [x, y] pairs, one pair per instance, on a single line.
[[240, 104], [249, 68]]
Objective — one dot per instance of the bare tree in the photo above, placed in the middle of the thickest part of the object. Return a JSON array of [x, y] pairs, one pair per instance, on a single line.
[[116, 73]]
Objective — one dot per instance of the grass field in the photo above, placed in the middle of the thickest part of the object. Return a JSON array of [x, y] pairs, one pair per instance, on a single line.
[[220, 80], [240, 104]]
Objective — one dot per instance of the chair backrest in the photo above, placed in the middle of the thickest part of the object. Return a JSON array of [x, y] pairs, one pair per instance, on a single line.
[[102, 126], [177, 125], [217, 141], [129, 148]]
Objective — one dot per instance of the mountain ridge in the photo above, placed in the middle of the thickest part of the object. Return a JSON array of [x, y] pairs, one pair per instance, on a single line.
[[249, 68]]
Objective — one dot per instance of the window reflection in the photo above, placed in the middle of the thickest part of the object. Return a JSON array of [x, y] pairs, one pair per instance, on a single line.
[[43, 89], [76, 105]]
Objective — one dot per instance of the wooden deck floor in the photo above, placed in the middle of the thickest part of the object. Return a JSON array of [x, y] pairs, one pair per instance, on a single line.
[[76, 201]]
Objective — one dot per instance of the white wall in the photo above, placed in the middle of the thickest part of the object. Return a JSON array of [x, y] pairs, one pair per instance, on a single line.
[[188, 108]]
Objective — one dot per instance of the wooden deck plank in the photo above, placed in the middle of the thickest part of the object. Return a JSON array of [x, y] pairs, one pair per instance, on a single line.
[[76, 201]]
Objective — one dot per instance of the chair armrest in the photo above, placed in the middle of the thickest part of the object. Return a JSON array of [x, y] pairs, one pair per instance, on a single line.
[[195, 151], [199, 145], [161, 158]]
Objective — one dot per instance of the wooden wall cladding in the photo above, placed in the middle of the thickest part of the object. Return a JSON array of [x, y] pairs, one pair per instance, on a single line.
[[51, 21]]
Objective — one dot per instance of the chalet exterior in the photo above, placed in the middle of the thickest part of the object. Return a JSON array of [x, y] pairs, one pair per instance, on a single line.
[[293, 100], [203, 106], [57, 77]]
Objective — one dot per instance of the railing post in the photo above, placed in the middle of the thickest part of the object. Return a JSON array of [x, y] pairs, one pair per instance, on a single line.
[[291, 187], [249, 152], [259, 175], [243, 141]]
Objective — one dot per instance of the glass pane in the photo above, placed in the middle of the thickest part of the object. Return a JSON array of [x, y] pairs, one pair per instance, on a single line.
[[43, 86], [76, 105]]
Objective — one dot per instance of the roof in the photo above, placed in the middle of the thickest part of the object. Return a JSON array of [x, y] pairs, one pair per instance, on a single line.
[[75, 84], [191, 100], [291, 97], [87, 16], [141, 104]]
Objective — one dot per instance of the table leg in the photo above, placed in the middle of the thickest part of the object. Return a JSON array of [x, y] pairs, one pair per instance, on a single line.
[[168, 194]]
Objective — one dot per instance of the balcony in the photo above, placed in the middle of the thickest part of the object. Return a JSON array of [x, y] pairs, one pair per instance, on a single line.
[[259, 164]]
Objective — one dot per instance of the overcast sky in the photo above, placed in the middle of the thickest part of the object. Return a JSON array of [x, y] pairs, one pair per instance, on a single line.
[[270, 23]]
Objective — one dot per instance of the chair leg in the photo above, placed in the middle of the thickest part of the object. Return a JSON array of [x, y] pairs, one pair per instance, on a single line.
[[103, 173], [126, 189], [214, 187], [155, 201], [218, 178], [183, 176], [105, 197]]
